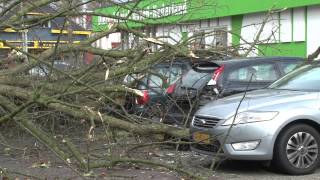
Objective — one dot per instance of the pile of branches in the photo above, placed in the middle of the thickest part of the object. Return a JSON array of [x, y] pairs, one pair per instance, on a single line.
[[81, 92]]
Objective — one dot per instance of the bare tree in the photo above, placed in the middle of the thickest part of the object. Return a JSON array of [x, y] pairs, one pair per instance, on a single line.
[[80, 94]]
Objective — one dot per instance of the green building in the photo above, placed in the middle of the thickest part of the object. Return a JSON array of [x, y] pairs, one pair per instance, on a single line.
[[290, 27]]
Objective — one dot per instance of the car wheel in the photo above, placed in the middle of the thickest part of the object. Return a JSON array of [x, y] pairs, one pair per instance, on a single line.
[[297, 150]]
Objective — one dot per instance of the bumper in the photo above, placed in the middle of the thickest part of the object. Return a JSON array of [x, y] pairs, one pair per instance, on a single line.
[[177, 113], [261, 131], [176, 119]]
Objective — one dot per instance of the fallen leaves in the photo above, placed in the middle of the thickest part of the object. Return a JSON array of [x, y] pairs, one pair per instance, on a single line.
[[41, 164]]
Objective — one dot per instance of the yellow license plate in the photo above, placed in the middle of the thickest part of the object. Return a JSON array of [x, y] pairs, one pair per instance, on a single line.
[[201, 137]]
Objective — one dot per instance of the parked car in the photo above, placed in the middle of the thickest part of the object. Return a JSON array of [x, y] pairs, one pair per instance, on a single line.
[[184, 93], [280, 123], [216, 79], [153, 85], [43, 70]]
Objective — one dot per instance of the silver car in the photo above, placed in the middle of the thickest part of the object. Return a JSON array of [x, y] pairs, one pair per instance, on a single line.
[[280, 123]]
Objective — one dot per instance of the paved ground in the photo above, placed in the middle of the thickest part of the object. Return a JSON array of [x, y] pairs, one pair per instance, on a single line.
[[238, 170], [251, 171], [244, 170], [17, 161]]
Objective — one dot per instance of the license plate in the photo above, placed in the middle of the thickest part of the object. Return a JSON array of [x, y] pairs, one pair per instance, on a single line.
[[201, 137]]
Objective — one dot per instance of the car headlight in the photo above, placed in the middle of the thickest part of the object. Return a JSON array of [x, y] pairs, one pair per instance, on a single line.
[[250, 116]]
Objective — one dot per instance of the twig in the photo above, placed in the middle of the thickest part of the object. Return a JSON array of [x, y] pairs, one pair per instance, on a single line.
[[114, 162], [5, 172]]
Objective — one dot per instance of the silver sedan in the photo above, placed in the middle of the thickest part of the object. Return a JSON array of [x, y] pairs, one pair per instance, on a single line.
[[280, 123]]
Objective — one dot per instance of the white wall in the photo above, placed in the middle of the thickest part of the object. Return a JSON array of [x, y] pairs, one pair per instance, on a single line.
[[114, 37], [226, 22], [286, 26], [292, 25], [174, 34], [175, 31], [252, 24], [105, 42], [313, 28], [299, 24]]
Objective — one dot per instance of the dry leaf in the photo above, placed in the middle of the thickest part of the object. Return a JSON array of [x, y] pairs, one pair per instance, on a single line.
[[41, 165], [107, 74], [88, 174], [191, 54]]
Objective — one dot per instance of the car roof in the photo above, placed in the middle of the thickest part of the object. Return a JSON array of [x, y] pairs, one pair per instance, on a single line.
[[253, 59], [174, 61], [225, 60]]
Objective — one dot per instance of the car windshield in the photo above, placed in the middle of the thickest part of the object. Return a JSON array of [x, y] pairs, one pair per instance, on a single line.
[[305, 78], [194, 79]]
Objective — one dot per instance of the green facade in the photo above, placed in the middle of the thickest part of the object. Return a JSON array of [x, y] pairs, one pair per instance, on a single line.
[[296, 49], [157, 12], [236, 29], [173, 11]]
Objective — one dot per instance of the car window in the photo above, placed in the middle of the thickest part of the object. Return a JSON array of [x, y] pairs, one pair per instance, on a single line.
[[194, 79], [171, 73], [174, 73], [154, 80], [262, 72], [288, 66], [306, 78]]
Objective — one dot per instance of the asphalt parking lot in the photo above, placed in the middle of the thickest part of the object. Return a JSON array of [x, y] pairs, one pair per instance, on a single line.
[[240, 170], [244, 170]]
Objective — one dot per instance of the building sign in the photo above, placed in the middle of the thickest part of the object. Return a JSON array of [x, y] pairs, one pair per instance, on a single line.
[[150, 12], [145, 10]]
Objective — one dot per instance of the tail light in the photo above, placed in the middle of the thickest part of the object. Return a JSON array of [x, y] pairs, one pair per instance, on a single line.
[[171, 88], [217, 73], [144, 99]]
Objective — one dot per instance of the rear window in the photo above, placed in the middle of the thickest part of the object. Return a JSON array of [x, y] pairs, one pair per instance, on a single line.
[[170, 73], [262, 72], [194, 79]]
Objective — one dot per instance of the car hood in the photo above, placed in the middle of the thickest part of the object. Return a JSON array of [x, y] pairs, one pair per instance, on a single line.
[[266, 100]]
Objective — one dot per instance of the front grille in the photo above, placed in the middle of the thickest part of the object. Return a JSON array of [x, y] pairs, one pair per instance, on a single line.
[[205, 122]]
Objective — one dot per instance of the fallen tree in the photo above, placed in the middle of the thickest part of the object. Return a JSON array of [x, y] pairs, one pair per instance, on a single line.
[[81, 92]]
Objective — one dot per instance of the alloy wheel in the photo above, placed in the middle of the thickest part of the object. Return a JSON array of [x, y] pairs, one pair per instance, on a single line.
[[302, 150]]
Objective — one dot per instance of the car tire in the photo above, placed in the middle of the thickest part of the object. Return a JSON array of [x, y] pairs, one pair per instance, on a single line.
[[296, 150]]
